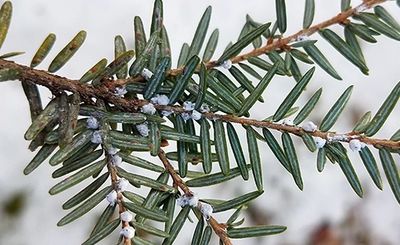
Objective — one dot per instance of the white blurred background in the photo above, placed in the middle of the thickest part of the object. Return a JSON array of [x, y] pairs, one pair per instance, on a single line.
[[327, 203]]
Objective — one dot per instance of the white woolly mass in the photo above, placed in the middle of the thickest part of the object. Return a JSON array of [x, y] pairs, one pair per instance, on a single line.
[[204, 108], [288, 122], [227, 64], [186, 200], [146, 74], [186, 116], [206, 209], [193, 201], [123, 184], [126, 216], [196, 115], [96, 137], [160, 99], [148, 109], [143, 129], [309, 126], [112, 151], [356, 145], [120, 91], [112, 197], [116, 160], [166, 113], [127, 232], [188, 106], [92, 123], [319, 142]]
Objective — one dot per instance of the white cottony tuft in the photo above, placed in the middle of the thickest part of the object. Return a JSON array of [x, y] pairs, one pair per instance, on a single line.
[[185, 200], [160, 99], [116, 160], [288, 122], [356, 145], [92, 123], [193, 201], [204, 108], [186, 116], [143, 129], [112, 151], [126, 216], [206, 209], [188, 106], [127, 232], [196, 115], [96, 137], [123, 184], [112, 197], [309, 126], [166, 113], [120, 91], [148, 109], [146, 74], [227, 64], [182, 201], [319, 142]]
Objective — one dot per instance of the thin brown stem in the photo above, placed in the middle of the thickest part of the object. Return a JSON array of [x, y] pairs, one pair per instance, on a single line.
[[58, 84], [280, 43], [378, 143], [219, 228], [114, 182], [175, 177]]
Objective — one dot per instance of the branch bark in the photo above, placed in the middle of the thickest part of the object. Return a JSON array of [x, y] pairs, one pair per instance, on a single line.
[[58, 84], [219, 228], [280, 43]]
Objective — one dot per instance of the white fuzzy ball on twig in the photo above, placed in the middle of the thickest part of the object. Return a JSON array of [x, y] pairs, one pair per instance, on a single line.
[[120, 91], [92, 123], [160, 99], [112, 197], [126, 216], [227, 64], [143, 129], [206, 209], [146, 74], [288, 122], [356, 145], [148, 109], [123, 184], [196, 115], [116, 160], [185, 200], [97, 137], [309, 126], [319, 142], [188, 106], [127, 232]]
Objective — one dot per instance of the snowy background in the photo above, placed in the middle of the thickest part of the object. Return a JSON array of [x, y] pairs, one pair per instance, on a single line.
[[327, 197]]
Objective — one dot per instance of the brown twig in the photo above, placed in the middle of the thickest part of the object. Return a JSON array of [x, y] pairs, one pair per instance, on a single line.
[[280, 43], [57, 84], [175, 177], [219, 228], [378, 143], [114, 182]]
